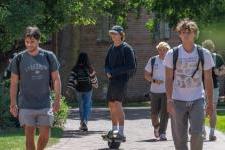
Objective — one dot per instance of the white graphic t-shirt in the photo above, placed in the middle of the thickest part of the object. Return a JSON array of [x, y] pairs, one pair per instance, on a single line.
[[186, 88], [158, 74]]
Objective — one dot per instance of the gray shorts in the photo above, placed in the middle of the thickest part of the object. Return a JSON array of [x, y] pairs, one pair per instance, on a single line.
[[36, 117]]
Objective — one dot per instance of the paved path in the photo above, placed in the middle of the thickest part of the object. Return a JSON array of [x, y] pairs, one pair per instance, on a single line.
[[138, 130]]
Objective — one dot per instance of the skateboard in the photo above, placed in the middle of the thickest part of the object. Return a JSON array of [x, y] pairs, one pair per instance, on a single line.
[[111, 138]]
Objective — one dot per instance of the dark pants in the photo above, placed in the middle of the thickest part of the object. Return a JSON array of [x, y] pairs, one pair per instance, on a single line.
[[159, 110]]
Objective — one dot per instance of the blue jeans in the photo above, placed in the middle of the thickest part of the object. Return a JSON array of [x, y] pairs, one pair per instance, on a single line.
[[85, 104]]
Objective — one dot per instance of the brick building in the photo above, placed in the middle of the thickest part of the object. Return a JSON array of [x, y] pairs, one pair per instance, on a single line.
[[95, 40]]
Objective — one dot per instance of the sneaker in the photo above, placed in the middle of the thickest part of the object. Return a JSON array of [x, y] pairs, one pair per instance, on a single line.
[[83, 126], [162, 137], [108, 135], [204, 135], [212, 138], [121, 137], [156, 132]]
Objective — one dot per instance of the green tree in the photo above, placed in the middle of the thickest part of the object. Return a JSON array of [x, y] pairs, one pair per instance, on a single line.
[[48, 15]]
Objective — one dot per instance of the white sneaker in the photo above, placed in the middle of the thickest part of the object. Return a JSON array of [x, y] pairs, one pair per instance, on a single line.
[[162, 137]]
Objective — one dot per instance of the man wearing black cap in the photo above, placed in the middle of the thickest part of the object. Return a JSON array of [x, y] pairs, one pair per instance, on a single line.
[[119, 65]]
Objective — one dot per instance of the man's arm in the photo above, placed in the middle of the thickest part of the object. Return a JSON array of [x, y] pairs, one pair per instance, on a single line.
[[57, 89], [13, 94], [208, 90], [169, 90], [148, 76]]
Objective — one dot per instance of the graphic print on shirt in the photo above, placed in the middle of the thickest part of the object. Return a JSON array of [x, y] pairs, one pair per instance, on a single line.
[[36, 71], [184, 72]]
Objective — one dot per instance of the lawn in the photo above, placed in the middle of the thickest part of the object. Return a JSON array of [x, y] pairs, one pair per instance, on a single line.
[[13, 139], [220, 121]]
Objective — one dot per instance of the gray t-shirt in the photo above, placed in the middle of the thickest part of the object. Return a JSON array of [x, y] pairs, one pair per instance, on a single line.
[[34, 76]]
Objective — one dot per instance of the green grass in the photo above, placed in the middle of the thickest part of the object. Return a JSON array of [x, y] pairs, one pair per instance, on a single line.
[[14, 139], [220, 121]]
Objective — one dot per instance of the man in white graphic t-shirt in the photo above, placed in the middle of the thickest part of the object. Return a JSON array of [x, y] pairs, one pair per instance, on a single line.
[[155, 73], [184, 86]]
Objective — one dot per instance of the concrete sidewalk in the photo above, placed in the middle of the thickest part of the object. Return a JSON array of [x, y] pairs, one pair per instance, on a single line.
[[138, 130]]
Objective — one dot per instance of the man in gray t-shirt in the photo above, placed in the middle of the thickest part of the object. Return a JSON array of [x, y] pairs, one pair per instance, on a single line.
[[35, 69]]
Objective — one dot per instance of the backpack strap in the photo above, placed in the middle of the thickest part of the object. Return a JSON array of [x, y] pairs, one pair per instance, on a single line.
[[175, 57], [200, 59], [49, 62], [152, 64], [18, 61]]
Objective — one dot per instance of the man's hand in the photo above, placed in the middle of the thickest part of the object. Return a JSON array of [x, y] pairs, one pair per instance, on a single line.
[[209, 109], [14, 110], [170, 107], [109, 75], [56, 106], [159, 81]]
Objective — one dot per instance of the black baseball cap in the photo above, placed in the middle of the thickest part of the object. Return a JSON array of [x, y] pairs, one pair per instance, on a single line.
[[116, 29]]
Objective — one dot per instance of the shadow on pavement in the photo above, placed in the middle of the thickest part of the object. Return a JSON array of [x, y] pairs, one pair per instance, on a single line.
[[79, 134], [153, 140], [109, 149], [103, 114]]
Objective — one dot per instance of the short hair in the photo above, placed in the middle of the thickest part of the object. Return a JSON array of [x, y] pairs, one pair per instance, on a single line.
[[32, 31], [208, 44], [163, 45], [187, 24]]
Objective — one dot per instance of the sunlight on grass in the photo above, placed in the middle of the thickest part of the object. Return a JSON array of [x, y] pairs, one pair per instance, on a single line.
[[14, 139], [220, 121]]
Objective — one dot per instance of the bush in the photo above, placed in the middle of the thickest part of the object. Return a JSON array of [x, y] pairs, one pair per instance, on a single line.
[[61, 116], [7, 120]]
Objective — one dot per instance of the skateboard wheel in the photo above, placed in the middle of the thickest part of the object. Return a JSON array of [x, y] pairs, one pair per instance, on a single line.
[[114, 145]]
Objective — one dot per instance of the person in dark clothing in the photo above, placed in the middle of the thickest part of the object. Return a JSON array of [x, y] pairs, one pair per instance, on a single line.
[[82, 78], [119, 65]]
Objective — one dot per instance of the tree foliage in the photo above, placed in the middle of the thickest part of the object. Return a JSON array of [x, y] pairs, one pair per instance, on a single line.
[[51, 15], [48, 15], [203, 11]]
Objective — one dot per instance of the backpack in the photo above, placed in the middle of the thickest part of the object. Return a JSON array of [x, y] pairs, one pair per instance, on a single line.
[[134, 70], [152, 64], [214, 76], [83, 80], [19, 59], [200, 60]]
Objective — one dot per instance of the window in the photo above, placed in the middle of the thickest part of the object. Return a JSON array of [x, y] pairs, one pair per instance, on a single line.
[[103, 26], [162, 31]]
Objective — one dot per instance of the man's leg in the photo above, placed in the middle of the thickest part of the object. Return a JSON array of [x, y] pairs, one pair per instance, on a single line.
[[196, 123], [43, 137], [29, 133], [28, 121], [113, 114], [117, 115], [163, 115], [181, 124], [120, 116], [213, 118], [45, 120], [155, 108]]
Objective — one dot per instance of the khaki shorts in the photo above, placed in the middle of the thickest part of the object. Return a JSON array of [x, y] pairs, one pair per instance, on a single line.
[[36, 117]]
